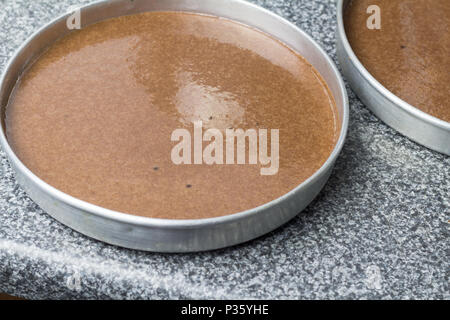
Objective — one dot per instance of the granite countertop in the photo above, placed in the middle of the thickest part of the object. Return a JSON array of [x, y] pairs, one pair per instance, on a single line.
[[379, 229]]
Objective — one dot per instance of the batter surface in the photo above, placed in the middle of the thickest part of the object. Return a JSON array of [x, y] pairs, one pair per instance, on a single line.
[[410, 54], [94, 115]]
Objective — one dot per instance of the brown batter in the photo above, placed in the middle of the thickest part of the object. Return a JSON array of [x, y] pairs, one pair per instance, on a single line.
[[94, 115], [410, 55]]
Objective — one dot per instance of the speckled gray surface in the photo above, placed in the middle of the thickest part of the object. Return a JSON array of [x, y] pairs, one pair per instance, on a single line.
[[379, 229]]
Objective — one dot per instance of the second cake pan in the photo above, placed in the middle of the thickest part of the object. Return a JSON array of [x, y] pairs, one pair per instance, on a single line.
[[415, 124]]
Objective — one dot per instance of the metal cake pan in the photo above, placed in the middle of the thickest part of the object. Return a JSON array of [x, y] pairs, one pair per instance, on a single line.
[[161, 235], [413, 123]]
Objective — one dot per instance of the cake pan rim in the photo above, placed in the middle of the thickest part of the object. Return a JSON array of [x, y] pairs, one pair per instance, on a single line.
[[175, 223]]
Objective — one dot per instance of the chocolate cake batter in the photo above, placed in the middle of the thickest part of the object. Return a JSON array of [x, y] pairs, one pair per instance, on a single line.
[[94, 115], [410, 54]]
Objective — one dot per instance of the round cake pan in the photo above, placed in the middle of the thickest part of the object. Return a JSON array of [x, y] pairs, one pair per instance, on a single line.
[[413, 123], [162, 235]]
